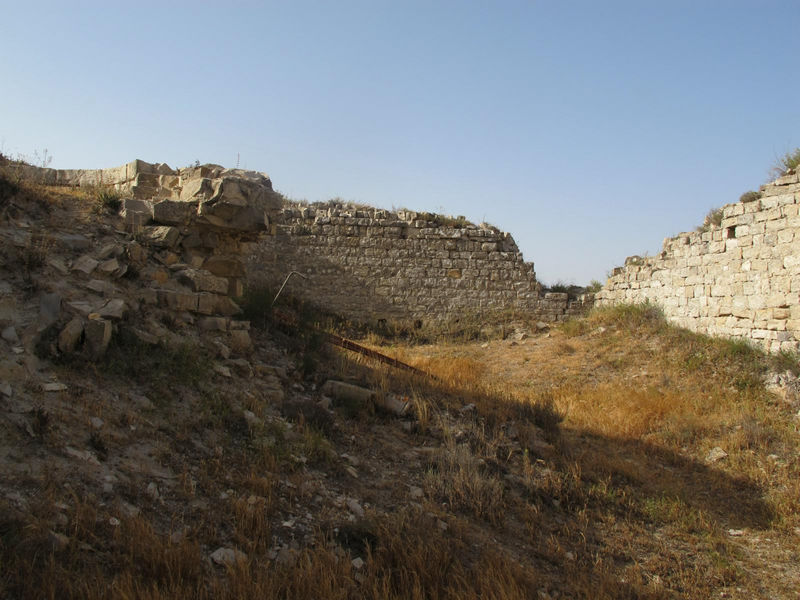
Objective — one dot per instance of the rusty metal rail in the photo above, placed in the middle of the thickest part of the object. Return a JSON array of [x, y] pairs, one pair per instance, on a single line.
[[288, 319], [336, 340]]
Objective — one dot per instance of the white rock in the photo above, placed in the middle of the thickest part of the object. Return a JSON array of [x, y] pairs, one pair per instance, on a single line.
[[716, 454], [358, 563], [735, 532], [53, 387], [227, 556], [10, 335], [354, 507]]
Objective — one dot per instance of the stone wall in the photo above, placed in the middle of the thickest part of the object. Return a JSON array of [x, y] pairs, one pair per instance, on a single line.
[[370, 264], [364, 263], [738, 279]]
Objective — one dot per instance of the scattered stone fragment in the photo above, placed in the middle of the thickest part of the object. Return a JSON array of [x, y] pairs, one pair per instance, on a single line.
[[82, 455], [221, 370], [162, 236], [58, 264], [227, 556], [716, 454], [53, 387], [347, 392], [73, 241], [416, 492], [354, 507], [735, 532], [357, 563], [70, 336], [397, 405], [107, 267], [97, 422], [200, 280], [114, 309], [10, 335], [85, 264], [6, 390]]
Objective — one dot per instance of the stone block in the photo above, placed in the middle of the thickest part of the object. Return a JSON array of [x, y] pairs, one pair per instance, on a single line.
[[178, 301], [98, 336], [174, 212], [85, 264], [136, 213], [70, 336], [114, 309], [225, 266], [161, 236], [200, 280], [207, 304]]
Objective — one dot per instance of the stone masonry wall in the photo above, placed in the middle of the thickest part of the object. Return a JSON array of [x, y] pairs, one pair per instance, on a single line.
[[371, 264], [364, 263], [740, 279]]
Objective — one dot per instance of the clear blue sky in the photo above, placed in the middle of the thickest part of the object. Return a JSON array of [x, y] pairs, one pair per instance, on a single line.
[[589, 130]]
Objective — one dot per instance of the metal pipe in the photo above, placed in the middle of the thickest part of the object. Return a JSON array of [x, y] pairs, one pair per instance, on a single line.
[[285, 281]]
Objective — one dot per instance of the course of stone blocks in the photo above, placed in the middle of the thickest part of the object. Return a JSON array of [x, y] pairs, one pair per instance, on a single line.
[[740, 279], [370, 264]]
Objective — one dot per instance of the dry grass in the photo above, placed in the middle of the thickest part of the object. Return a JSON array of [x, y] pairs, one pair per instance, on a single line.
[[643, 403], [544, 472]]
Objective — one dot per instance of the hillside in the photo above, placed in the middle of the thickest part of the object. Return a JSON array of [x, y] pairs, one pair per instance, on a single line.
[[613, 456]]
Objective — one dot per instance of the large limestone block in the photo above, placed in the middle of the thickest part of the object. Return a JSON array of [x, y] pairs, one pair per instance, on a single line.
[[225, 265], [162, 236], [240, 202], [202, 281], [174, 212], [136, 212]]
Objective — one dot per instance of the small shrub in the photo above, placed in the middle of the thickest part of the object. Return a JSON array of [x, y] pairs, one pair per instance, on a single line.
[[787, 163], [256, 306], [786, 360], [574, 327], [750, 196], [713, 219], [107, 200], [459, 479], [593, 287]]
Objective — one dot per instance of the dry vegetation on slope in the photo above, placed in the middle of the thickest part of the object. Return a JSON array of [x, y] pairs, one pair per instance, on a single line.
[[564, 465]]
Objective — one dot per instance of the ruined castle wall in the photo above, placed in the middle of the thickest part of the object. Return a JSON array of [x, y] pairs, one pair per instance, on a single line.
[[740, 279], [371, 264], [364, 263]]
